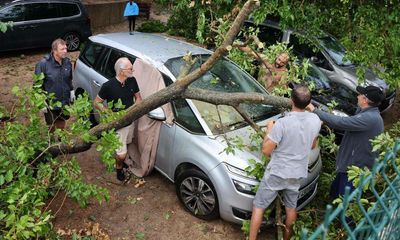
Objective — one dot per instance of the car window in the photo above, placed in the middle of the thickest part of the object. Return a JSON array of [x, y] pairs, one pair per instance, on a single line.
[[185, 117], [91, 53], [335, 50], [37, 11], [305, 49], [318, 80], [13, 13], [68, 9], [270, 35], [114, 55]]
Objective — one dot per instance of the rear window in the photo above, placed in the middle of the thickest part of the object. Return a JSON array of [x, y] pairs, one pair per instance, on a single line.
[[68, 9]]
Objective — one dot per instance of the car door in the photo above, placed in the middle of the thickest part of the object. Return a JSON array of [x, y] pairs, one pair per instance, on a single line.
[[89, 73], [13, 38], [42, 24]]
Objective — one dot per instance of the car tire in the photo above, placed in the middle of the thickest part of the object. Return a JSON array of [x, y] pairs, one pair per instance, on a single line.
[[73, 41], [197, 193]]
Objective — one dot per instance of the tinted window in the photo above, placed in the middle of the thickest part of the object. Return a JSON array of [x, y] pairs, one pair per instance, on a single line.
[[68, 9], [270, 35], [185, 117], [91, 53], [37, 11], [14, 13], [114, 55], [305, 49], [335, 50]]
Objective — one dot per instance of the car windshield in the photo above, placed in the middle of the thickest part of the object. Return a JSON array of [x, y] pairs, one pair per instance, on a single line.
[[224, 76], [335, 50]]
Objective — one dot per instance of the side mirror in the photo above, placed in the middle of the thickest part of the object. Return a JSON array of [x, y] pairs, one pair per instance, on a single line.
[[157, 114]]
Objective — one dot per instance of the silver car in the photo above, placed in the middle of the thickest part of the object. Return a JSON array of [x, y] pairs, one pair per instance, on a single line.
[[209, 182], [327, 53]]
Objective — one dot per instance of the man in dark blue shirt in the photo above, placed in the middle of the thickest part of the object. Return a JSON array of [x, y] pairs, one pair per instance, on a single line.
[[57, 70], [122, 87], [355, 148]]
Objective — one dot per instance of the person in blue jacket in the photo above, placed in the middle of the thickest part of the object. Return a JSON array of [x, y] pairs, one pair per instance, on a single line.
[[131, 11]]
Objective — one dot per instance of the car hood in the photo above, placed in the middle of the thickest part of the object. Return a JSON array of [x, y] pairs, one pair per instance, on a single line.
[[370, 77], [241, 157]]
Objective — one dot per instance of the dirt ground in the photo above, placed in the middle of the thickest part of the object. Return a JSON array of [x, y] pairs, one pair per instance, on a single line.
[[147, 211]]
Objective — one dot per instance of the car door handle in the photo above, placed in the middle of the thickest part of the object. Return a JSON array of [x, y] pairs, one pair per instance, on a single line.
[[96, 83]]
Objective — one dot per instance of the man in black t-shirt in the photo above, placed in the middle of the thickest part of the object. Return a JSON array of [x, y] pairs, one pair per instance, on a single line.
[[124, 87]]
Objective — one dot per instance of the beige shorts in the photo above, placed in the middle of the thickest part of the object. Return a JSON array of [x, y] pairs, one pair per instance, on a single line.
[[125, 135]]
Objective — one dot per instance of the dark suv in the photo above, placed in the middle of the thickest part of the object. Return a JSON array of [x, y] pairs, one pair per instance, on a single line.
[[36, 23]]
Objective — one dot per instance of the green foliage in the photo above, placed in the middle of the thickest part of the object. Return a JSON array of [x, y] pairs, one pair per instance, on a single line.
[[5, 25], [153, 26], [30, 175]]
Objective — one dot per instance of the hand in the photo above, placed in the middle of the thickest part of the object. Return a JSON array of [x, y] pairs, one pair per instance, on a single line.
[[310, 107], [72, 95]]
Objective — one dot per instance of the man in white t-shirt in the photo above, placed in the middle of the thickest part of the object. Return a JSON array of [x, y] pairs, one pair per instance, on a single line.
[[288, 142]]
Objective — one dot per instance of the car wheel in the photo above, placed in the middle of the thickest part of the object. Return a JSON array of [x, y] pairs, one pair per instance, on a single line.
[[73, 41], [197, 193]]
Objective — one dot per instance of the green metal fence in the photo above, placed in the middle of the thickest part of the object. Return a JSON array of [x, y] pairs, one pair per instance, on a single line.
[[382, 221]]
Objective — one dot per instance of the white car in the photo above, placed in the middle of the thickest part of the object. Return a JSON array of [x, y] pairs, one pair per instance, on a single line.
[[209, 182]]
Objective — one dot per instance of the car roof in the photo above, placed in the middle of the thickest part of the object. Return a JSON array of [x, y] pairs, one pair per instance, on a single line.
[[154, 48]]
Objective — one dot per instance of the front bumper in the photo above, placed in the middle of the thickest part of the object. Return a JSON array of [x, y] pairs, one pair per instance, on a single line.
[[235, 206]]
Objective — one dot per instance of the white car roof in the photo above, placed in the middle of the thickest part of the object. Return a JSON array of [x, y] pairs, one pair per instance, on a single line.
[[153, 48]]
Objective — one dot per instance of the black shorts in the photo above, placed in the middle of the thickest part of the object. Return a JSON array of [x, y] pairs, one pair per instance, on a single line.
[[52, 115]]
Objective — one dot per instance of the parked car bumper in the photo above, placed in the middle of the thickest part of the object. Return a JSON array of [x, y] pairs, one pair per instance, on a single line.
[[236, 206]]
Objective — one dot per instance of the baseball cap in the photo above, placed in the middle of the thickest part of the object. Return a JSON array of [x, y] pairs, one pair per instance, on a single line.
[[374, 94]]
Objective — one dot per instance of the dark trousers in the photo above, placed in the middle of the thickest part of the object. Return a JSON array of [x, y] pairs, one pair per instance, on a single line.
[[339, 184], [132, 20]]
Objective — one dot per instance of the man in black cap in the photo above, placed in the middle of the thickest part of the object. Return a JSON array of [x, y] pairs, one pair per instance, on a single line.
[[355, 148]]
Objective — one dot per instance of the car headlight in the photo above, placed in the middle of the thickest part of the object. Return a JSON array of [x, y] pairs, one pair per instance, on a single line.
[[238, 171], [244, 187], [339, 113]]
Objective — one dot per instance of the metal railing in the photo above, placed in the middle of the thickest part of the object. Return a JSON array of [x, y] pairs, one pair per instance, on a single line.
[[382, 220]]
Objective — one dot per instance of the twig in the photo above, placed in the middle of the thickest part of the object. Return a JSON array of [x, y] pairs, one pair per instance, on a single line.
[[62, 204], [48, 205], [247, 118]]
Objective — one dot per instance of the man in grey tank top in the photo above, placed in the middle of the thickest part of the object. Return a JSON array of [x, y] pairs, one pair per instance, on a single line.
[[288, 142]]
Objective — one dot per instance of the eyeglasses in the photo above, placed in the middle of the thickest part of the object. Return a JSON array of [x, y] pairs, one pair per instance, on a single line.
[[130, 69]]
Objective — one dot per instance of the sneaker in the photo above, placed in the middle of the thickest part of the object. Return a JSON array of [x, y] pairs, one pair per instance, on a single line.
[[120, 174]]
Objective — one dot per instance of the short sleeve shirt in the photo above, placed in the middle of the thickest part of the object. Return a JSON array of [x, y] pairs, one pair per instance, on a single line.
[[113, 90], [294, 135]]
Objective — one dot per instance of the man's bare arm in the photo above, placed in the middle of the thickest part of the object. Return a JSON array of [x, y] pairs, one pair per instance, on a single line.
[[98, 104]]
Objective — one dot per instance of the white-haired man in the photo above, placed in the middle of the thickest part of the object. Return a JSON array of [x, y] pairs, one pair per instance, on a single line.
[[124, 87]]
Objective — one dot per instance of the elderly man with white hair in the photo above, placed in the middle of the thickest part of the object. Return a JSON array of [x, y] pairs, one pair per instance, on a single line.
[[125, 88]]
